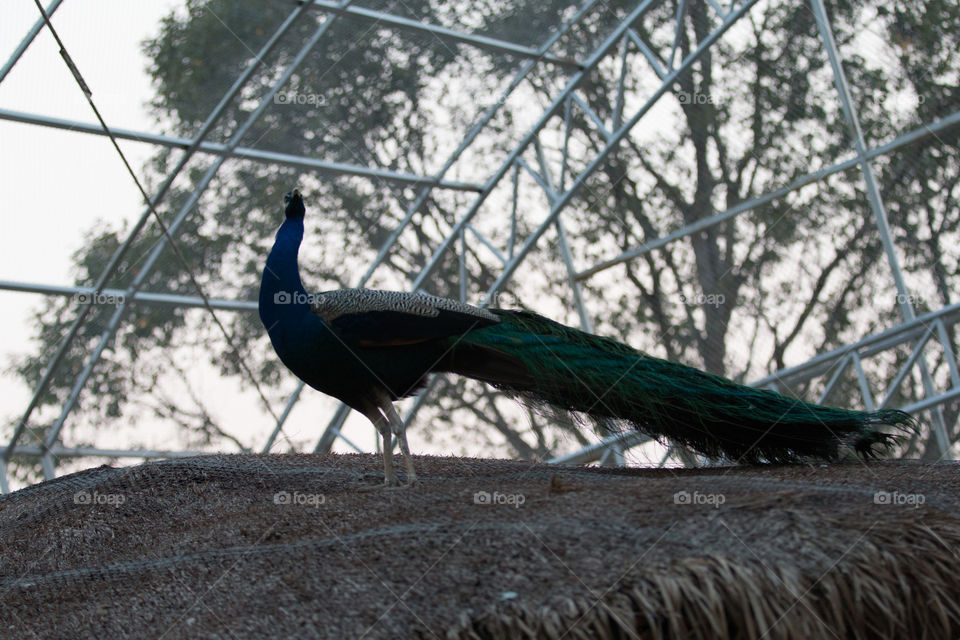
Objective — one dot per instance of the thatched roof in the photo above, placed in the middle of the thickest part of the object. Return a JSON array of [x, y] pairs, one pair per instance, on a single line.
[[309, 546]]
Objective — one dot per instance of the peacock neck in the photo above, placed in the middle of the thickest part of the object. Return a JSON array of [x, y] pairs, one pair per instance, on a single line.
[[281, 291]]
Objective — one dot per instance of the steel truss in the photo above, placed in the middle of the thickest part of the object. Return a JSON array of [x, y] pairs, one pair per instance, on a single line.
[[527, 157]]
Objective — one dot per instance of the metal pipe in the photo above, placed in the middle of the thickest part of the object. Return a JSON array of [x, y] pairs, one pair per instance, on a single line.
[[486, 242], [140, 297], [905, 369], [834, 378], [31, 34], [948, 353], [615, 122], [547, 184], [593, 452], [647, 53], [862, 381], [585, 323], [462, 267], [443, 33], [597, 120], [240, 153], [330, 434], [287, 408], [716, 7], [932, 402], [681, 13], [36, 451], [565, 152]]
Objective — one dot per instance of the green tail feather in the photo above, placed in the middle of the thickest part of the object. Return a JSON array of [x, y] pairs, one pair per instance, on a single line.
[[604, 379]]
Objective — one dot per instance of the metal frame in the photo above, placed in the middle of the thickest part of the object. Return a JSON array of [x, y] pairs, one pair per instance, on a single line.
[[915, 331], [240, 153]]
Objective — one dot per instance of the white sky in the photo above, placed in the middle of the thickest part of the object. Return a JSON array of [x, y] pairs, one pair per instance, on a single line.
[[55, 184]]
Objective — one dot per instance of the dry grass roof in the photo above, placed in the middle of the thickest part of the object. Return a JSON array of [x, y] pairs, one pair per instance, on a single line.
[[307, 546]]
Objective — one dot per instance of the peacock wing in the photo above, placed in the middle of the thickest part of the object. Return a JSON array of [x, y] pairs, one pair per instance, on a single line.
[[371, 317]]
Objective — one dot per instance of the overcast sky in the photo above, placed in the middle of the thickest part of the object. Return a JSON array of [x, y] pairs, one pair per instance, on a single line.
[[54, 185]]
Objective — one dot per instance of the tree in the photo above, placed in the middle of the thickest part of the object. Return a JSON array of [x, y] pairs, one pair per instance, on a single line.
[[796, 276]]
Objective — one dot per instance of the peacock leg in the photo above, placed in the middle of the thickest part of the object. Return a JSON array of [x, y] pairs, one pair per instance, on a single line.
[[401, 432], [389, 475], [382, 424]]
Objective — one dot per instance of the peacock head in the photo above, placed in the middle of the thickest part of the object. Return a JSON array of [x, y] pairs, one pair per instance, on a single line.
[[293, 203]]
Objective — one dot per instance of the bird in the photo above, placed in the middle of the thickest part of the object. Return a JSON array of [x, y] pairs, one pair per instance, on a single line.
[[369, 348]]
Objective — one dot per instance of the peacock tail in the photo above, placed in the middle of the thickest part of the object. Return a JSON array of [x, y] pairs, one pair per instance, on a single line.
[[544, 362]]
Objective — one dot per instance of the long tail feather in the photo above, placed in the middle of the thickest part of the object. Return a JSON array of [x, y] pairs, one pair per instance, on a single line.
[[547, 362]]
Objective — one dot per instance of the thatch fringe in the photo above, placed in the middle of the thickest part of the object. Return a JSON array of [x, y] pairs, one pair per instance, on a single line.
[[896, 581]]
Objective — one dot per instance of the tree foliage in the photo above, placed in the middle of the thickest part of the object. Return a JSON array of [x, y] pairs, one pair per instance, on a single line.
[[797, 275]]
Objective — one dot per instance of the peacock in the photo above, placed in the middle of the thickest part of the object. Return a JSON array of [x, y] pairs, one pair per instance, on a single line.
[[369, 348]]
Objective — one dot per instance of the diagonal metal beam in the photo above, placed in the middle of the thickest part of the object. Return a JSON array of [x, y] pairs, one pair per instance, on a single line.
[[917, 351], [648, 53], [545, 180], [594, 452], [31, 34]]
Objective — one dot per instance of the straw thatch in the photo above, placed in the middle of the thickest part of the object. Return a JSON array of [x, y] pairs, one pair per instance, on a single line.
[[309, 546]]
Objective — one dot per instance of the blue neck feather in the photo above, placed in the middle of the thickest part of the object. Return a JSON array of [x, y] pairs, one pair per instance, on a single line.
[[281, 292]]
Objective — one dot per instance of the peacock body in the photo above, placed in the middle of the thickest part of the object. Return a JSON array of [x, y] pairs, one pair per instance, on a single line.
[[369, 348]]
